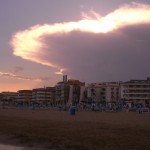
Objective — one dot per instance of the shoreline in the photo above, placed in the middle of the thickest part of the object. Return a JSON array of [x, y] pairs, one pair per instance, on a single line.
[[9, 143]]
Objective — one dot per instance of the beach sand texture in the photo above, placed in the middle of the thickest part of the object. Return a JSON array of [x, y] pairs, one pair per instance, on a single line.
[[57, 130]]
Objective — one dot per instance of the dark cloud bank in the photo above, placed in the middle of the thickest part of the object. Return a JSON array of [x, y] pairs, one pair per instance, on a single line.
[[118, 55]]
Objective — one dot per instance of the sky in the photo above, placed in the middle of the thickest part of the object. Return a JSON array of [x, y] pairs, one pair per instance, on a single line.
[[89, 40]]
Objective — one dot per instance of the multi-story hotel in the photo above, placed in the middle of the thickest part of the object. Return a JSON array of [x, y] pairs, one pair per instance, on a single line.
[[25, 96], [1, 96], [62, 92], [106, 91], [46, 94], [136, 90], [76, 91], [69, 91], [8, 98]]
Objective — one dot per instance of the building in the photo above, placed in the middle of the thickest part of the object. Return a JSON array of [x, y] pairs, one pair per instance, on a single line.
[[136, 91], [8, 97], [103, 92], [1, 96], [62, 93], [25, 96], [76, 91], [46, 94], [69, 92]]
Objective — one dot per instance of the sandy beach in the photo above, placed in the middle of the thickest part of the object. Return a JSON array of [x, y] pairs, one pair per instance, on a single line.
[[56, 130]]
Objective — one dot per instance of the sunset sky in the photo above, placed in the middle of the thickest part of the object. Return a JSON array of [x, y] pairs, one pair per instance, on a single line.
[[89, 40]]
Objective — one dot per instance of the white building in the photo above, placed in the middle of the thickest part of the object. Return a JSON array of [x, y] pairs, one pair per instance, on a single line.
[[136, 90], [105, 91]]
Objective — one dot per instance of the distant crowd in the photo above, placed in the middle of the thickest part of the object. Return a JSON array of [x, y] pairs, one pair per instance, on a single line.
[[82, 106]]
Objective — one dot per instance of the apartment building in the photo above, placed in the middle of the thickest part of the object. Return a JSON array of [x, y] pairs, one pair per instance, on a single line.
[[24, 96], [136, 91], [69, 92], [1, 96], [62, 93], [46, 94], [105, 91], [76, 91], [9, 96]]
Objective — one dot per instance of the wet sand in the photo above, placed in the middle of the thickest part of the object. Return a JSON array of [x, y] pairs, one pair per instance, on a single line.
[[8, 147], [57, 130], [12, 147]]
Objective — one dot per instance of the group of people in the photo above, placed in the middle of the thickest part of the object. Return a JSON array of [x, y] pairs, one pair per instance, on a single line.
[[84, 106]]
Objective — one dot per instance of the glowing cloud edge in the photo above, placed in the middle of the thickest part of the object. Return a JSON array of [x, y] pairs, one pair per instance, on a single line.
[[27, 44]]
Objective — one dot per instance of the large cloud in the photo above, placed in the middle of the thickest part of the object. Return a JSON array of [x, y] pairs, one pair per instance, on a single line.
[[114, 47]]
